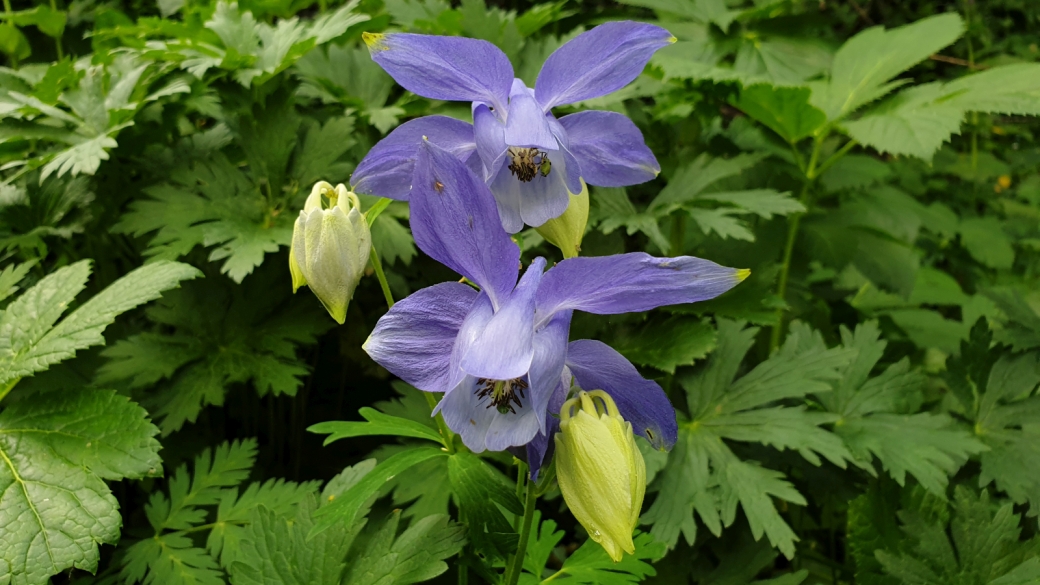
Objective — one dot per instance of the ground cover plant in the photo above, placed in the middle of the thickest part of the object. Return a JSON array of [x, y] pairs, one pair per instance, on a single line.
[[711, 292]]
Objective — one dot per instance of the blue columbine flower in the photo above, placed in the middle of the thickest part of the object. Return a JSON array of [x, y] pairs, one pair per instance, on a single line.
[[531, 160], [501, 354]]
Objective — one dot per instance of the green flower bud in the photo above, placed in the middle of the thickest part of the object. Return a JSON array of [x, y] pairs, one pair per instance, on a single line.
[[330, 247], [600, 470], [565, 232]]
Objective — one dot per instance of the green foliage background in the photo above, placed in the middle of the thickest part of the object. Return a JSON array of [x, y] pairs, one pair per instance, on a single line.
[[863, 409]]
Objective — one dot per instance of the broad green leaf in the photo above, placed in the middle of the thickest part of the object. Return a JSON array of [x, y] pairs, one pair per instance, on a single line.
[[26, 327], [345, 507], [56, 450], [985, 240], [917, 121], [417, 554], [1011, 89], [928, 328], [668, 343], [378, 424], [855, 171], [864, 66], [911, 123], [785, 110]]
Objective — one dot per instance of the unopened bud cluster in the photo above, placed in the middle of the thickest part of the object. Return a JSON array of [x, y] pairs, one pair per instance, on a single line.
[[600, 470], [330, 247]]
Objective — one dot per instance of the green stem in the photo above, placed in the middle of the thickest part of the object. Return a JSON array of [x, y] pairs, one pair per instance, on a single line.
[[377, 266], [678, 242], [521, 472], [8, 10], [516, 566], [792, 236], [377, 208], [6, 388], [449, 437], [57, 40], [834, 158]]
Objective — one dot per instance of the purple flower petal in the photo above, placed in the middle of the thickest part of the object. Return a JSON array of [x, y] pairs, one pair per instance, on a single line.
[[610, 149], [413, 339], [596, 366], [505, 348], [550, 353], [455, 221], [479, 315], [466, 415], [598, 62], [526, 126], [572, 172], [481, 426], [541, 448], [387, 169], [444, 68], [490, 134], [629, 283]]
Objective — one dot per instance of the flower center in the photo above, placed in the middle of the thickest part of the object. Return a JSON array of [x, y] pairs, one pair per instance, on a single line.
[[503, 393], [525, 163]]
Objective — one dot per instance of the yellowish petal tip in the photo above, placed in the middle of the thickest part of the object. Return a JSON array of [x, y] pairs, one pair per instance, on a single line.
[[374, 41], [742, 274], [670, 39]]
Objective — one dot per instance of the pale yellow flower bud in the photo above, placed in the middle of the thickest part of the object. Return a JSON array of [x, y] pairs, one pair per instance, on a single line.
[[330, 247], [601, 471], [565, 232]]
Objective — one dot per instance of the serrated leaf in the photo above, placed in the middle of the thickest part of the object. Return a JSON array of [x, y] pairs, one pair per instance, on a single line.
[[378, 424], [170, 559], [613, 209], [690, 180], [875, 420], [705, 476], [911, 123], [216, 336], [210, 203], [785, 110], [26, 330], [688, 340], [985, 240], [479, 491], [591, 565], [864, 66], [416, 555], [1022, 329], [55, 452], [275, 550], [982, 546], [276, 496], [345, 507], [11, 275]]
